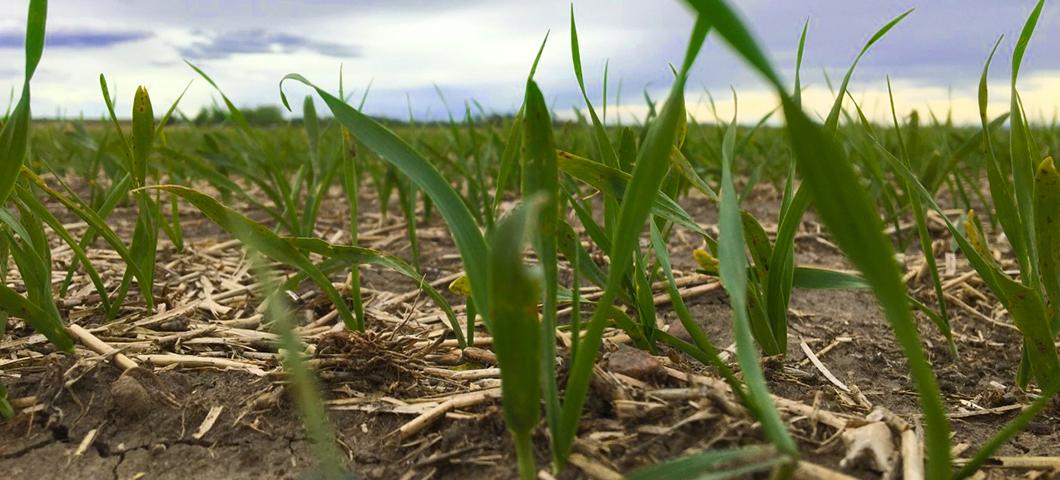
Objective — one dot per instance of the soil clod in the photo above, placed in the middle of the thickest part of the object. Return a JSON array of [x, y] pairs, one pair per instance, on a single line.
[[633, 362], [130, 400]]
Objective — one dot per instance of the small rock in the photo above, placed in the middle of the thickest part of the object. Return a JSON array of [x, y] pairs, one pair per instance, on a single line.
[[678, 330], [129, 398], [633, 362]]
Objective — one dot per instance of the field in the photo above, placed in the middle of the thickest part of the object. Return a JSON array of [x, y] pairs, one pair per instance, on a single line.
[[340, 296]]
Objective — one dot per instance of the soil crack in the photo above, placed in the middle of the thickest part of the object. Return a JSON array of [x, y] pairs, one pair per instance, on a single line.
[[27, 449]]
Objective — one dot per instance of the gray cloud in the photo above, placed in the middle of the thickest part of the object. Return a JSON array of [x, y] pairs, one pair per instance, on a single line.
[[943, 44], [244, 14], [940, 42], [74, 38], [260, 41]]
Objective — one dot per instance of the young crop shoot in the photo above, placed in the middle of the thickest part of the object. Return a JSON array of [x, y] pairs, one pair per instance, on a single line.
[[514, 294], [484, 275]]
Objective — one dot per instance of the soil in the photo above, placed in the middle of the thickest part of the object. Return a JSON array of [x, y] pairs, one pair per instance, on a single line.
[[82, 418]]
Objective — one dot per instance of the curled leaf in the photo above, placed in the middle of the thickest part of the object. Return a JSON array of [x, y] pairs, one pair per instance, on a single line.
[[705, 260], [461, 286]]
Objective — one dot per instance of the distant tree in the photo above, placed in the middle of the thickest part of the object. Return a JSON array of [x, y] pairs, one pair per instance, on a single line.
[[213, 114], [264, 114], [260, 114]]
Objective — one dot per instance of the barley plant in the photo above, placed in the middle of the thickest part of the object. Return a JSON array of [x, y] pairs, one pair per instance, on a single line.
[[533, 205]]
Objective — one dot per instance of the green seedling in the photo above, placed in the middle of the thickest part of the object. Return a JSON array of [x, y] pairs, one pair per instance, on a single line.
[[33, 254], [847, 210], [514, 295]]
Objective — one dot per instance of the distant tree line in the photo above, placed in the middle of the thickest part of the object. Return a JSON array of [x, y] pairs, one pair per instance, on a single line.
[[261, 114], [273, 114]]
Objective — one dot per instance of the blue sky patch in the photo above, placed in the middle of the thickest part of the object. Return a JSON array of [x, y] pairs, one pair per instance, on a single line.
[[74, 39]]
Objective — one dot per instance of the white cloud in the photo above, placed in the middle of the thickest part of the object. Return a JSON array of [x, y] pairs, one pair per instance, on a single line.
[[1040, 92], [484, 49]]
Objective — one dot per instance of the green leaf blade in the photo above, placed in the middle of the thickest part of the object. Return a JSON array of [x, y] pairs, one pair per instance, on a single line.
[[391, 148], [1047, 217], [143, 135], [265, 240]]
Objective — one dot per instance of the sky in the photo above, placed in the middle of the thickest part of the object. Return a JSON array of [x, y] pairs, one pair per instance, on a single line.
[[482, 51]]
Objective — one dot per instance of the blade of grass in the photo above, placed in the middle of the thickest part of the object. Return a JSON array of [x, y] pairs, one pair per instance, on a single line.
[[778, 286], [922, 230], [143, 135], [210, 174], [615, 183], [515, 139], [304, 386], [283, 196], [769, 332], [1005, 209], [648, 174], [540, 182], [848, 212], [684, 167], [265, 241], [38, 209], [603, 142], [33, 258], [1047, 215], [14, 137], [706, 349], [831, 124], [358, 256], [516, 330], [1030, 316], [1021, 301], [1023, 158], [732, 268], [19, 307], [351, 178], [397, 152], [93, 220]]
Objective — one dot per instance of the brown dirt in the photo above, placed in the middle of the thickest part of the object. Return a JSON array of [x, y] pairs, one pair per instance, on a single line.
[[144, 424]]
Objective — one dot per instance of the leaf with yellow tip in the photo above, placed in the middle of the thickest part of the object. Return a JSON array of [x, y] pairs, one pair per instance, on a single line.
[[461, 286], [705, 260]]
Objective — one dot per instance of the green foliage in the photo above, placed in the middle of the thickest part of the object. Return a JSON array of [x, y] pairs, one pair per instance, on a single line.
[[540, 182], [852, 174], [514, 294], [265, 241], [400, 154], [851, 217], [33, 254], [262, 114]]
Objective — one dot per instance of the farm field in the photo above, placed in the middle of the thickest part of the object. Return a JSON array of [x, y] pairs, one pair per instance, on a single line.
[[524, 296]]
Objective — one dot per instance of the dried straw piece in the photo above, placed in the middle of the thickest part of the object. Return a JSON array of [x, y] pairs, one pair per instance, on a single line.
[[99, 346], [454, 402]]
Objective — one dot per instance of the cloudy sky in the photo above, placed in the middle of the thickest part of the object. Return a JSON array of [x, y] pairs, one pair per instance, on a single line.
[[482, 50]]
